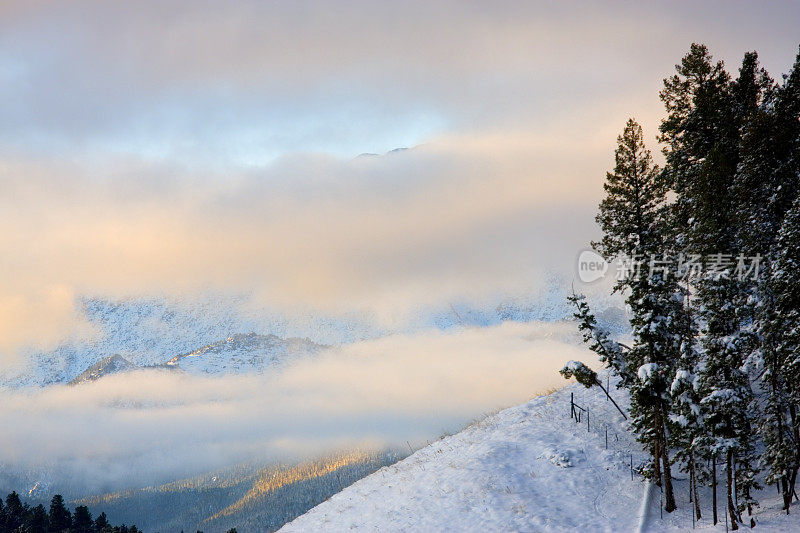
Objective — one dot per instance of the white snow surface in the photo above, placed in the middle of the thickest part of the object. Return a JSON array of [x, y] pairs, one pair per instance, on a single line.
[[244, 353], [647, 371], [527, 468]]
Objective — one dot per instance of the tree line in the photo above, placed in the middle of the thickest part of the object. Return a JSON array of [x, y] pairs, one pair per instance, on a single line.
[[710, 248], [18, 517]]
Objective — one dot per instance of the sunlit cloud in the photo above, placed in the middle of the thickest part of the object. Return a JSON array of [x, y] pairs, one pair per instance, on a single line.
[[385, 235], [156, 149]]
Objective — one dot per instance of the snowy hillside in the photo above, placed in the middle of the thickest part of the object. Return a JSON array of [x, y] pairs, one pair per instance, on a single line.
[[144, 333], [527, 468], [244, 353], [151, 332], [110, 365], [238, 353]]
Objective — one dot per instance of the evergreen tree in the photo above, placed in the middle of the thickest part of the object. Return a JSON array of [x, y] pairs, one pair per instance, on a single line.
[[767, 182], [703, 342], [60, 517], [101, 524], [632, 217], [37, 520], [703, 129], [788, 111], [785, 454], [686, 418], [82, 520], [14, 512], [610, 352]]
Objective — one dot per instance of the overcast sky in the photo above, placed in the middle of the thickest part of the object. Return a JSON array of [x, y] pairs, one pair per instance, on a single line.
[[161, 147]]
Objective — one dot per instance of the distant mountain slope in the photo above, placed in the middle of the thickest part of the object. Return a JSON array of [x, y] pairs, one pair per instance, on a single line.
[[246, 497], [528, 468], [244, 353], [110, 365], [238, 353], [149, 332]]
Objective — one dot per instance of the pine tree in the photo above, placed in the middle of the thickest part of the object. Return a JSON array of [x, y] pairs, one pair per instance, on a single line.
[[101, 524], [704, 342], [37, 520], [14, 512], [787, 140], [82, 520], [767, 183], [610, 352], [788, 111], [588, 378], [786, 456], [632, 217], [686, 417], [60, 517], [703, 130]]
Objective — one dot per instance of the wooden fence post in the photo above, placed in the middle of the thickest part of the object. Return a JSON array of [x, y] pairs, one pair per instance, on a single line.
[[572, 405]]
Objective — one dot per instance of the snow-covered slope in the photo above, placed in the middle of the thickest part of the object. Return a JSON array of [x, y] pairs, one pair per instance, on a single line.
[[244, 353], [144, 332], [527, 468], [110, 365], [150, 332]]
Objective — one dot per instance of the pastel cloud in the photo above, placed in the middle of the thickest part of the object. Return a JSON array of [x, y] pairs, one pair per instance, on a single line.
[[169, 148]]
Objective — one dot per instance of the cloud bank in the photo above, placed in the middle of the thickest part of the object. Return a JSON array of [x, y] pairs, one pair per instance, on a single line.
[[153, 426], [156, 149], [383, 235]]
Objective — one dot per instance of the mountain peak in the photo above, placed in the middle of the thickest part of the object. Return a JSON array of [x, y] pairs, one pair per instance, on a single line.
[[110, 365]]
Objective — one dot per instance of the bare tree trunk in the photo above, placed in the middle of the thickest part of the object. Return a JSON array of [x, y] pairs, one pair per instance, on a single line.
[[693, 481], [714, 488], [657, 463], [729, 486], [656, 434], [669, 493], [612, 399], [783, 483], [796, 433], [786, 493], [661, 439]]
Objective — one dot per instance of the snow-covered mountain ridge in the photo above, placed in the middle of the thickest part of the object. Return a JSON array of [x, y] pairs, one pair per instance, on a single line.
[[110, 365], [151, 332], [528, 468], [244, 353], [239, 353]]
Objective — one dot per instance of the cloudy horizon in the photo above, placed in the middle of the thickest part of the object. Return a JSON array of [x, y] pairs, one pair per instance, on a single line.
[[170, 149]]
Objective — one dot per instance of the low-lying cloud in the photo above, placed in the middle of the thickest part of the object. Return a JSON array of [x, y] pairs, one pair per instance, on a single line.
[[150, 426]]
